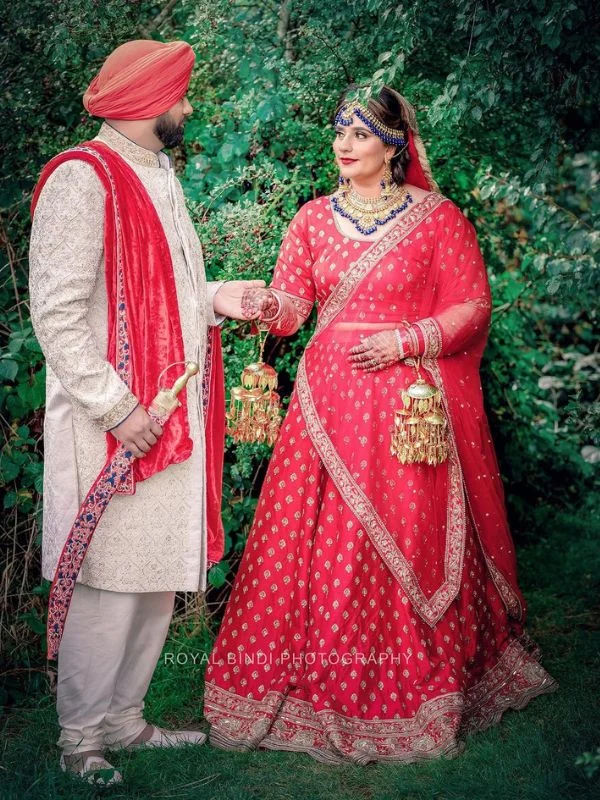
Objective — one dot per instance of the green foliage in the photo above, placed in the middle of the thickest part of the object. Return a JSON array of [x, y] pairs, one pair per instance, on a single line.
[[590, 762]]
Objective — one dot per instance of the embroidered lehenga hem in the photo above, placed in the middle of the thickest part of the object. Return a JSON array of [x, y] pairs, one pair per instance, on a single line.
[[439, 727]]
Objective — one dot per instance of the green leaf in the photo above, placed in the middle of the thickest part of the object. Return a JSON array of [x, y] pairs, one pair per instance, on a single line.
[[8, 369], [38, 483], [217, 575], [10, 499], [265, 111], [553, 286], [33, 393], [9, 469], [36, 624], [226, 153], [244, 68]]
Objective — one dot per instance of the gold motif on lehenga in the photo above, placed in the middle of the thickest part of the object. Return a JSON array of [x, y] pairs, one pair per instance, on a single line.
[[429, 610]]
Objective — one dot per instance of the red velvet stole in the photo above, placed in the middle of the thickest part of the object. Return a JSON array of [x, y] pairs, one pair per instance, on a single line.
[[144, 329]]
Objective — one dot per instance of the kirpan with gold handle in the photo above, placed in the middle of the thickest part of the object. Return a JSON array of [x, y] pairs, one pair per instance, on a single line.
[[114, 473]]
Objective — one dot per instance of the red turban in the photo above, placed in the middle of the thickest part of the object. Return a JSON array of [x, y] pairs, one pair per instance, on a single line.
[[140, 80]]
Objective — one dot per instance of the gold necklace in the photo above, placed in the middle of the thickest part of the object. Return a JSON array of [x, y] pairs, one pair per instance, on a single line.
[[367, 214]]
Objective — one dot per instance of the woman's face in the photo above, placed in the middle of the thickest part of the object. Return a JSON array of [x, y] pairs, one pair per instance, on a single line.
[[359, 154]]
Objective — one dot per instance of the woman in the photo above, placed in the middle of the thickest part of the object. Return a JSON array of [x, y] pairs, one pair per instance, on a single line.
[[376, 613]]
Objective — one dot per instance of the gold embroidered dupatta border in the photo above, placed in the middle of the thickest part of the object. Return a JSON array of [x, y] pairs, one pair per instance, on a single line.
[[509, 598], [430, 610]]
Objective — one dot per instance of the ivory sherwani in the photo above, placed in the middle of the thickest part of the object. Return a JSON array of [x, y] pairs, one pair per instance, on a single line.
[[154, 540]]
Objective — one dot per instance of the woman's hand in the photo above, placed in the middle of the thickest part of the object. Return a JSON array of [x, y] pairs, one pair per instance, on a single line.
[[259, 304], [376, 352]]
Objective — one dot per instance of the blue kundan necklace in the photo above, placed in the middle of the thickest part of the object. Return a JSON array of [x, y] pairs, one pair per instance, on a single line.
[[367, 214]]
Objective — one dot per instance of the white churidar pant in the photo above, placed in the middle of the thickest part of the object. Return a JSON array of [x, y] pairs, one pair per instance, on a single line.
[[109, 650]]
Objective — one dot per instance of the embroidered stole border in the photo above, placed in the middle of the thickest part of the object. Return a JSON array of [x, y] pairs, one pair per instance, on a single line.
[[509, 598], [430, 610]]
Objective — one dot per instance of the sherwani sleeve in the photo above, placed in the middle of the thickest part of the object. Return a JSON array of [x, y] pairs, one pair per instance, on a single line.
[[212, 287], [65, 263]]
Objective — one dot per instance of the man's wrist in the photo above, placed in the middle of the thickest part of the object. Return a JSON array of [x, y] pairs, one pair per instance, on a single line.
[[213, 288], [118, 413]]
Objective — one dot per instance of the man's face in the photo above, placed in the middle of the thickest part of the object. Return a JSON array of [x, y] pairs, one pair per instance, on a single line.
[[169, 126]]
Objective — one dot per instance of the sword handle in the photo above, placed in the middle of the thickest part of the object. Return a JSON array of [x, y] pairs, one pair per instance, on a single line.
[[165, 402]]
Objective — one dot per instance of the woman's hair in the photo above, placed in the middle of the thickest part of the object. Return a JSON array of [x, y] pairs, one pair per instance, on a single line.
[[389, 109]]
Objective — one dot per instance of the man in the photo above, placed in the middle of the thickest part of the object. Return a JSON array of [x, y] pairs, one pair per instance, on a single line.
[[116, 268]]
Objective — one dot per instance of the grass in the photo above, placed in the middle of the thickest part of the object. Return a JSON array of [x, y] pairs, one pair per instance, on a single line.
[[529, 756]]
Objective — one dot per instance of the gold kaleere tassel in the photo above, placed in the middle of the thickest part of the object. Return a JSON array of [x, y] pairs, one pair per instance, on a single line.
[[420, 428], [254, 413]]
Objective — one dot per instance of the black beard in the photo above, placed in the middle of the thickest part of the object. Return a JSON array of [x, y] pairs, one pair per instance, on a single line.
[[170, 134]]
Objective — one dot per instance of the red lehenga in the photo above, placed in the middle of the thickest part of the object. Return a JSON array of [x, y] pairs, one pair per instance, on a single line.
[[376, 613]]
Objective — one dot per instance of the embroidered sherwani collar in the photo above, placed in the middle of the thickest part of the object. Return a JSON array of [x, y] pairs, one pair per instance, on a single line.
[[130, 150]]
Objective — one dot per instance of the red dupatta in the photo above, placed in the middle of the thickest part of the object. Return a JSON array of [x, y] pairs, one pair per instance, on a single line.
[[144, 330]]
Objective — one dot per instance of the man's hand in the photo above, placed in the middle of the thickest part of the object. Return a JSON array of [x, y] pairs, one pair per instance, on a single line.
[[228, 300], [138, 432]]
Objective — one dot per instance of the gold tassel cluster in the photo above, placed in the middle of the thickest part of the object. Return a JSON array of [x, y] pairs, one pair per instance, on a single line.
[[254, 413], [420, 428]]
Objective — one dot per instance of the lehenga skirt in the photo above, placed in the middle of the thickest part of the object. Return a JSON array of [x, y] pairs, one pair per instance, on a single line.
[[320, 650]]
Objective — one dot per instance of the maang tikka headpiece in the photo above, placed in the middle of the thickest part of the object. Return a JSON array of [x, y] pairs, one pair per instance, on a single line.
[[384, 132]]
